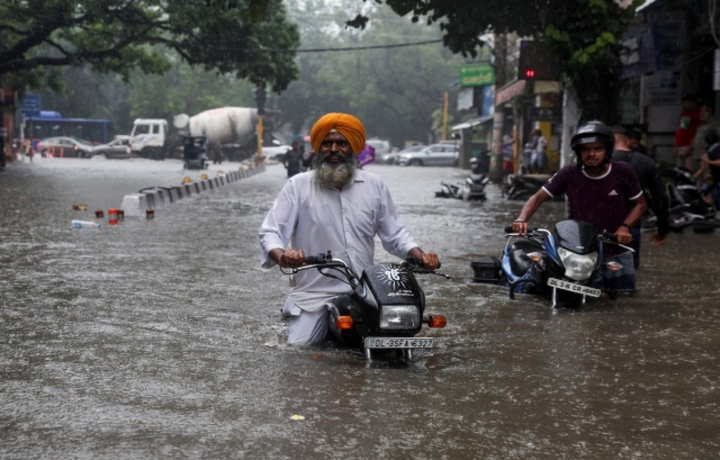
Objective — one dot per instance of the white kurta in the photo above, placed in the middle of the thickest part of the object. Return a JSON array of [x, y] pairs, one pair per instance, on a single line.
[[317, 219]]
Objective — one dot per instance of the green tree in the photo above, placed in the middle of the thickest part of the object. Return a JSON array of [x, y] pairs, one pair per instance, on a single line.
[[584, 34], [38, 38], [394, 90]]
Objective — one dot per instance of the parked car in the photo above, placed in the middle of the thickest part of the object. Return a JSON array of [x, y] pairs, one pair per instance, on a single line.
[[65, 146], [432, 155], [117, 149], [393, 158], [381, 147], [276, 151]]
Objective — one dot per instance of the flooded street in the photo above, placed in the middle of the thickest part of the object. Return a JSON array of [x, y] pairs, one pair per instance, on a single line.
[[162, 338]]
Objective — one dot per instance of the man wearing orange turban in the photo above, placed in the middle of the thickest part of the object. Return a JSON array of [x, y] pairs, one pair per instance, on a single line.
[[347, 125], [336, 207]]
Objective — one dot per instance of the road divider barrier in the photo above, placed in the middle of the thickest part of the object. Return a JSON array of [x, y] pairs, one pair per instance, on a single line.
[[150, 198]]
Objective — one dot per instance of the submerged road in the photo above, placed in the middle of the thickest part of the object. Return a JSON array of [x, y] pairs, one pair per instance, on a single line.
[[162, 338]]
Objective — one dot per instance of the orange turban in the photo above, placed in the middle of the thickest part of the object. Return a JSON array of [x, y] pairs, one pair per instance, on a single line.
[[346, 124]]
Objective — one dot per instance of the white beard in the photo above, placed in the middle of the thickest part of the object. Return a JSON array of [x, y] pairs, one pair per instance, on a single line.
[[334, 175]]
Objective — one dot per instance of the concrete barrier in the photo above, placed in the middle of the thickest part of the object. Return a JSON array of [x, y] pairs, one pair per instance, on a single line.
[[136, 204]]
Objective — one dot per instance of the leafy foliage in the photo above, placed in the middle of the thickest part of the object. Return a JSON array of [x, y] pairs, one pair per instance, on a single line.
[[37, 37], [584, 34], [393, 90]]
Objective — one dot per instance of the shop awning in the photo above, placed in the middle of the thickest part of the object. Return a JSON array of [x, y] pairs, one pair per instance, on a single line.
[[472, 123]]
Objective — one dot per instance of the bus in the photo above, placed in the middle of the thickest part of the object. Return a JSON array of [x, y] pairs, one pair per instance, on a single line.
[[52, 124]]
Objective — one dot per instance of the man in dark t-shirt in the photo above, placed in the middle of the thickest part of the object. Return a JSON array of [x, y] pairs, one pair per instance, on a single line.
[[649, 177], [604, 193]]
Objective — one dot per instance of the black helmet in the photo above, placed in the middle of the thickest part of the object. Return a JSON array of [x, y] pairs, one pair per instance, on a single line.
[[593, 131]]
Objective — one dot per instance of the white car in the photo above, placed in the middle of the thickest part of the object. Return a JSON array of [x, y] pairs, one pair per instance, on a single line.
[[432, 155], [393, 158], [118, 148], [275, 151], [65, 146]]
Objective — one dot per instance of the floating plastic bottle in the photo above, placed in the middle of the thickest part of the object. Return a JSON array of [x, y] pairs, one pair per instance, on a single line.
[[85, 224]]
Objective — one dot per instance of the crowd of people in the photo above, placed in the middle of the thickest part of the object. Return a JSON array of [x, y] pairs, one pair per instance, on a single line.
[[696, 147]]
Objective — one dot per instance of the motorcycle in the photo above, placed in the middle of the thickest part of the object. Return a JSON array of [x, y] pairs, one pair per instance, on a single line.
[[473, 188], [523, 186], [559, 264], [384, 309], [687, 208]]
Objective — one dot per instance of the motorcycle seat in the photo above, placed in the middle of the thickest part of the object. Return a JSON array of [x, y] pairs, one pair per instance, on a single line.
[[519, 263]]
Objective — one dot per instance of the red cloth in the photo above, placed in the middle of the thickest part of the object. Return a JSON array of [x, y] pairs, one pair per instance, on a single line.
[[688, 125]]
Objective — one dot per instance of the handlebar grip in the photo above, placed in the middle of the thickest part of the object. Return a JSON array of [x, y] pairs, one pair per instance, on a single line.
[[609, 236], [414, 261], [318, 259], [508, 229]]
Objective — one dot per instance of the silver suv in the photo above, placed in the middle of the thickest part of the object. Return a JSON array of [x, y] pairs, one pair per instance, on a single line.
[[432, 155]]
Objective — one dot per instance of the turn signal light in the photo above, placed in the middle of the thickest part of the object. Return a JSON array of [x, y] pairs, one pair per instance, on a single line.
[[614, 266], [438, 321], [534, 256], [343, 322]]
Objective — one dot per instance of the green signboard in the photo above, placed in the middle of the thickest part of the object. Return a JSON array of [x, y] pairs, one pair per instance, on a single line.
[[477, 75]]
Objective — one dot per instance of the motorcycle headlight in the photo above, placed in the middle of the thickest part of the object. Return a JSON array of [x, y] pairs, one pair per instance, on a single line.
[[578, 267], [399, 317]]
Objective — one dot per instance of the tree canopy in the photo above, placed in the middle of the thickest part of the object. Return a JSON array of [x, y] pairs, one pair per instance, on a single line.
[[585, 35], [394, 90], [39, 38]]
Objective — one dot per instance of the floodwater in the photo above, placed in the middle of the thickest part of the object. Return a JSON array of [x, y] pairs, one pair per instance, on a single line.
[[162, 338]]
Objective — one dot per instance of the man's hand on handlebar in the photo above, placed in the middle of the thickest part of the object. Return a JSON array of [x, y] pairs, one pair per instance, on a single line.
[[288, 259], [430, 260], [623, 235], [520, 226]]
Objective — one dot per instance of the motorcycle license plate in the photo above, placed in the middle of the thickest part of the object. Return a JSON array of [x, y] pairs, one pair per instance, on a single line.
[[398, 342], [572, 287]]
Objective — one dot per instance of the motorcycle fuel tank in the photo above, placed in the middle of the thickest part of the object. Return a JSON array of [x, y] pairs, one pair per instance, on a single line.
[[577, 236]]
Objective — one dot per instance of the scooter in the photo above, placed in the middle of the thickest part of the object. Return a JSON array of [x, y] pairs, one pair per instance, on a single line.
[[561, 264], [473, 188], [384, 309], [523, 186], [687, 208]]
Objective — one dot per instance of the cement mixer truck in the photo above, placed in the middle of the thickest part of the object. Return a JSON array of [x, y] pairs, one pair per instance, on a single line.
[[230, 130]]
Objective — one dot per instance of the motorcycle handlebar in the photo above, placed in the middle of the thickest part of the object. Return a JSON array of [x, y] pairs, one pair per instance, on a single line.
[[531, 230], [609, 237], [318, 259], [411, 262], [325, 258]]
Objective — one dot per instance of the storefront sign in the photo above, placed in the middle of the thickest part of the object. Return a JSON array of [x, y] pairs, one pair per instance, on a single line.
[[482, 74]]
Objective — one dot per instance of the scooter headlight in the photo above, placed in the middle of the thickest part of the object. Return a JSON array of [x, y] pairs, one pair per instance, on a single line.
[[578, 267], [399, 317]]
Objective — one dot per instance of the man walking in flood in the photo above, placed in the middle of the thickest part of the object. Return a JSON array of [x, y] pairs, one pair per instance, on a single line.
[[338, 207], [604, 193]]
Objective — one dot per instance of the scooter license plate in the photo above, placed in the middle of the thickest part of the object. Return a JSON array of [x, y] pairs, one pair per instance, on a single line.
[[573, 287], [398, 342]]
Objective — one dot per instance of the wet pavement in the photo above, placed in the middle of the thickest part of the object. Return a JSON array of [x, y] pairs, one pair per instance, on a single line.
[[162, 338]]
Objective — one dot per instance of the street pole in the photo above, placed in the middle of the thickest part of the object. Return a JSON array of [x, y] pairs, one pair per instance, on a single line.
[[260, 137], [445, 115], [260, 95]]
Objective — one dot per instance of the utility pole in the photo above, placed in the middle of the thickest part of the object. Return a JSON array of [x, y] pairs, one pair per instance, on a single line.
[[500, 54], [445, 115], [260, 95]]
